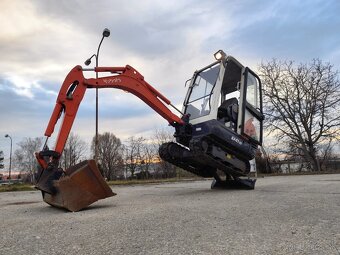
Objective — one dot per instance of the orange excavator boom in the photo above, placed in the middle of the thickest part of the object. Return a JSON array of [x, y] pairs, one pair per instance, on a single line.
[[126, 78], [54, 182]]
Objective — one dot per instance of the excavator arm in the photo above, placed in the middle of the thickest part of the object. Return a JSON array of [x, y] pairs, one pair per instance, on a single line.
[[60, 186], [124, 78]]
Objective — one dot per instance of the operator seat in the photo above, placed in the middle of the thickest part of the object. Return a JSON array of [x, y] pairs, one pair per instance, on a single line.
[[228, 112]]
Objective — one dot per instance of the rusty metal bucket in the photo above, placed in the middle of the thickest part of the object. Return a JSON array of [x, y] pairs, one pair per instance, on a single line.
[[80, 186]]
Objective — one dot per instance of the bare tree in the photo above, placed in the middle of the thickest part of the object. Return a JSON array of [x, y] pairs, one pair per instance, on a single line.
[[326, 153], [1, 160], [24, 155], [161, 136], [301, 103], [110, 155], [148, 155], [74, 151], [133, 154]]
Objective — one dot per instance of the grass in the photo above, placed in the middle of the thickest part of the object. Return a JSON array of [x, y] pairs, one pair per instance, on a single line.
[[16, 187], [299, 173], [29, 187], [150, 181]]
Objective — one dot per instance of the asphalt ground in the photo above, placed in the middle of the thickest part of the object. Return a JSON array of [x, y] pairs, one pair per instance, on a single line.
[[283, 215]]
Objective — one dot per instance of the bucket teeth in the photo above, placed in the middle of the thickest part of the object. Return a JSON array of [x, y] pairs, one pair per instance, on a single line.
[[80, 186]]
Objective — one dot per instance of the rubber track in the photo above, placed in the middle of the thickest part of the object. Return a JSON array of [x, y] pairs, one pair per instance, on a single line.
[[166, 156], [204, 170]]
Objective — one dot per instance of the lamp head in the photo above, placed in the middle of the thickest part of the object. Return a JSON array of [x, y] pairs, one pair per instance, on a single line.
[[220, 55], [106, 32], [88, 61]]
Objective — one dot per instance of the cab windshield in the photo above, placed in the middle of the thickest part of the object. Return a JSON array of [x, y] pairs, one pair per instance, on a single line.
[[198, 103]]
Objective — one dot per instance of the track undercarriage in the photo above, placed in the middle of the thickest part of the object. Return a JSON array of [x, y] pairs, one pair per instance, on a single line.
[[205, 159]]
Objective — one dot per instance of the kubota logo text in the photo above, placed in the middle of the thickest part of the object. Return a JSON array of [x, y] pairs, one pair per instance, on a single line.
[[236, 140], [112, 80]]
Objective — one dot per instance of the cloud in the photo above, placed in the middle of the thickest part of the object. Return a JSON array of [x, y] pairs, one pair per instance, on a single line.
[[166, 41], [24, 87], [289, 30]]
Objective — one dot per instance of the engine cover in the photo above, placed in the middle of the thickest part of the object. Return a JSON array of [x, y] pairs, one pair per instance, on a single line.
[[225, 138]]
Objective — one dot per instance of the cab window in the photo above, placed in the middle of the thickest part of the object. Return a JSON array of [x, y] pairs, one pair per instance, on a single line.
[[252, 115], [253, 93], [198, 103]]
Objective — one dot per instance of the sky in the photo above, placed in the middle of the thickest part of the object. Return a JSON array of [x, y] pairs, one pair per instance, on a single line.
[[166, 41]]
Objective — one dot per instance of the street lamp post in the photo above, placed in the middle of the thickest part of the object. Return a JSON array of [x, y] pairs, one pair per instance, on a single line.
[[10, 158], [106, 33]]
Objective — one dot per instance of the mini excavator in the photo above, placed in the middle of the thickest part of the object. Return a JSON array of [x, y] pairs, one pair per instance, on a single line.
[[217, 134]]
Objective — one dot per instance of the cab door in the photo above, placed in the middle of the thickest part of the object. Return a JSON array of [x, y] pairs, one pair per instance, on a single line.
[[250, 121]]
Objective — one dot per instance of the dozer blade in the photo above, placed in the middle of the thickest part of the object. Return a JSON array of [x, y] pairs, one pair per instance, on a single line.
[[80, 186], [237, 183]]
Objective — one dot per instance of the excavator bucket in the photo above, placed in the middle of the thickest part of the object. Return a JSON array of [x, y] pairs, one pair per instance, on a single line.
[[78, 187]]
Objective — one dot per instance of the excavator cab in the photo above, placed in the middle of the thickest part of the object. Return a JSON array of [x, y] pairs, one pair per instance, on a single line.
[[229, 92], [224, 110]]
